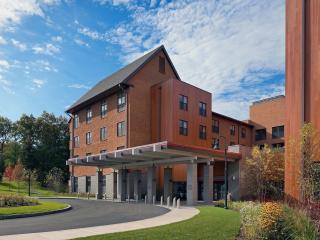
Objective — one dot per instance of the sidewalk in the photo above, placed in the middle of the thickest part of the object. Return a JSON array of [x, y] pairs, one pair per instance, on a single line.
[[175, 215]]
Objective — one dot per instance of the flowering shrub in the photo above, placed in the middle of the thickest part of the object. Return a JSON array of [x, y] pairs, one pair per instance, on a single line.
[[274, 221], [250, 220], [10, 200]]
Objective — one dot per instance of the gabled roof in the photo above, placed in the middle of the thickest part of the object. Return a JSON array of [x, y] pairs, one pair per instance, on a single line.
[[121, 77], [215, 114]]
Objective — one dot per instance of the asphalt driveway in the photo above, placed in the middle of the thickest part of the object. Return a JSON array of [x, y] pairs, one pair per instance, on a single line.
[[84, 213]]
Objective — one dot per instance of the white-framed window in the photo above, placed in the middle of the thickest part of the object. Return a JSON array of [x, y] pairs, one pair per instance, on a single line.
[[121, 131], [89, 115], [88, 138], [76, 141], [103, 133], [76, 121], [121, 101], [103, 108]]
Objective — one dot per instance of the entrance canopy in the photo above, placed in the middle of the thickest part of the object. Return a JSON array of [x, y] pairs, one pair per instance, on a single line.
[[156, 154]]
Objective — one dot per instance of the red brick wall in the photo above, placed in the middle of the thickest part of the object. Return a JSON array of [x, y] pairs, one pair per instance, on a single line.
[[268, 114], [224, 130], [302, 78], [139, 99], [166, 113]]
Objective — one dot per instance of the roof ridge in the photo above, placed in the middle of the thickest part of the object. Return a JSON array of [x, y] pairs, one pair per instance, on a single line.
[[118, 77]]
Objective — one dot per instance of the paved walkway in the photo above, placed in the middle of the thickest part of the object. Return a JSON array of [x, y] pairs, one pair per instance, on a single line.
[[84, 213], [175, 215]]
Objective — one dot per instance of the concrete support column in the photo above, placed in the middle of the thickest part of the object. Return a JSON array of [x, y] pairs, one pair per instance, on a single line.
[[99, 183], [129, 185], [121, 184], [192, 184], [167, 183], [208, 184], [136, 184], [151, 183]]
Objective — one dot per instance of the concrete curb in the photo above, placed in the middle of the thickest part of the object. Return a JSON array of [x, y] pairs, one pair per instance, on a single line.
[[13, 216]]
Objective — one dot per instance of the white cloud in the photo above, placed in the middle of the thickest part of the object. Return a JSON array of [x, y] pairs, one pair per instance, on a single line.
[[38, 82], [91, 33], [114, 2], [230, 48], [81, 43], [6, 85], [4, 64], [21, 46], [2, 41], [47, 49], [79, 86], [12, 11], [43, 65], [57, 39]]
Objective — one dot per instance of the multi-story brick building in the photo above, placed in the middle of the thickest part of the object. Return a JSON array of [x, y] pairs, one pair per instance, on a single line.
[[144, 132], [302, 79]]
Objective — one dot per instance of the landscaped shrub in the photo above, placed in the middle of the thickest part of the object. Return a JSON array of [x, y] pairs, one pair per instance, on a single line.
[[274, 221], [250, 220], [10, 200], [298, 225]]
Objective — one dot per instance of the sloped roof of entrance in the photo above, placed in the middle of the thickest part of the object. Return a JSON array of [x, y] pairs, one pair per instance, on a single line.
[[161, 153]]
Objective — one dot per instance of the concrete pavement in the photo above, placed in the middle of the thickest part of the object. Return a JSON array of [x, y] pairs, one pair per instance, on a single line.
[[175, 215]]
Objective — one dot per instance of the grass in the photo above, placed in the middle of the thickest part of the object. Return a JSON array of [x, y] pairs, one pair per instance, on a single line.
[[22, 189], [43, 206], [210, 223]]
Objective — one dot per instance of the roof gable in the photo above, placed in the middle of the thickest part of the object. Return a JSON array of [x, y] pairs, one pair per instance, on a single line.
[[122, 76]]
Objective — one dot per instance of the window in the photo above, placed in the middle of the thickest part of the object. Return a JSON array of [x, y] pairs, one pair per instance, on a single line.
[[103, 108], [88, 138], [103, 151], [278, 145], [202, 109], [243, 133], [103, 134], [278, 132], [202, 132], [89, 115], [88, 184], [88, 154], [76, 121], [232, 143], [183, 102], [215, 143], [232, 130], [162, 64], [215, 126], [183, 128], [76, 141], [121, 129], [75, 184], [121, 101], [261, 134], [121, 147]]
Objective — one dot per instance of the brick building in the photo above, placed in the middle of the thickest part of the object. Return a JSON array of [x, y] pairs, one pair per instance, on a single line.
[[302, 78], [143, 132]]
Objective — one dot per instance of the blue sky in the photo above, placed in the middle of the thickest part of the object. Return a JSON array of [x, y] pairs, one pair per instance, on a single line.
[[53, 51]]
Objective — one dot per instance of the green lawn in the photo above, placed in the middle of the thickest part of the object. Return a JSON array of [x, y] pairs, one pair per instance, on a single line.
[[42, 207], [22, 189], [210, 223]]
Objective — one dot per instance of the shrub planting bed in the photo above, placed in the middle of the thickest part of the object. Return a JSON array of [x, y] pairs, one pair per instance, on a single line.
[[274, 221], [11, 200]]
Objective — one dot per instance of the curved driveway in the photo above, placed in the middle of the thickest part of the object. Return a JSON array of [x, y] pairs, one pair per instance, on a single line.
[[84, 213]]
